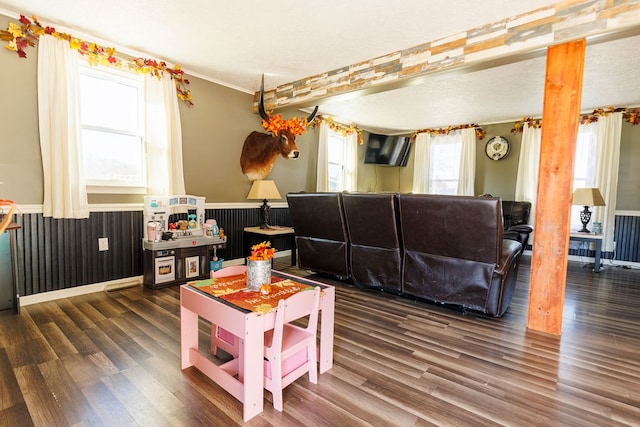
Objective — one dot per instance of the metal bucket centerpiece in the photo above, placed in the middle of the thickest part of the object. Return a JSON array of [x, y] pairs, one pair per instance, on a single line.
[[259, 265], [258, 273]]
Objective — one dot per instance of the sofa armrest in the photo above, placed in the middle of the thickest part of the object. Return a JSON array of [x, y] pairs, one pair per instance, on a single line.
[[522, 228], [511, 249], [511, 235]]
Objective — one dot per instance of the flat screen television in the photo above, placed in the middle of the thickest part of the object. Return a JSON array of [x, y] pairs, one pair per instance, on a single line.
[[387, 150]]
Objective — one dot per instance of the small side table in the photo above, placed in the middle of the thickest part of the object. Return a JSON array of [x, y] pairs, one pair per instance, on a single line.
[[254, 235], [591, 238]]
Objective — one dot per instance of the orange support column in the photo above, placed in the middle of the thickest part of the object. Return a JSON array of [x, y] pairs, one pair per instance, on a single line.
[[560, 116]]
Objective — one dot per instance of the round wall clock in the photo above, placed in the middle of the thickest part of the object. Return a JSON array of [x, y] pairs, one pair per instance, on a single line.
[[497, 148]]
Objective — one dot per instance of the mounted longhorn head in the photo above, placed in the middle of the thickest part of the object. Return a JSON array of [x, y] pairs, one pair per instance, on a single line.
[[260, 150]]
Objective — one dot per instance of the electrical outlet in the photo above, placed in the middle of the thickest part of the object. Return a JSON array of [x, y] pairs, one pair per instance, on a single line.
[[614, 246], [103, 244]]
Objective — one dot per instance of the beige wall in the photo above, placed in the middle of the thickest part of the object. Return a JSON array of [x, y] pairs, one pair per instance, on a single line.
[[383, 178], [20, 160], [214, 130], [497, 177], [629, 174]]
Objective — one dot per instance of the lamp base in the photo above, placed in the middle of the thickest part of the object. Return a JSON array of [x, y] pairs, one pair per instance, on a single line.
[[585, 217], [264, 211]]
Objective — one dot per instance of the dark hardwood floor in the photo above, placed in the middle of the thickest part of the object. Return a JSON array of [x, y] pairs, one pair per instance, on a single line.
[[113, 359]]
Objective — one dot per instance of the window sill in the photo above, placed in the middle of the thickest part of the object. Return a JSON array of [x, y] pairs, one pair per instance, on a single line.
[[102, 189]]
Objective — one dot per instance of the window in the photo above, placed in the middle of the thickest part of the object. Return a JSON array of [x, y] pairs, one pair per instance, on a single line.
[[337, 161], [584, 169], [112, 117], [444, 168]]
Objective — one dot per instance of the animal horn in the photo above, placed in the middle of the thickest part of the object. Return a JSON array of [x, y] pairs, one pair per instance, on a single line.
[[261, 109], [263, 112], [312, 115]]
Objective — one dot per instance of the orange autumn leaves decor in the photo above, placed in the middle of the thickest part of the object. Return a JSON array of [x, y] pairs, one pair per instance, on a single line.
[[20, 37], [629, 115], [344, 130], [276, 124], [262, 251], [480, 133]]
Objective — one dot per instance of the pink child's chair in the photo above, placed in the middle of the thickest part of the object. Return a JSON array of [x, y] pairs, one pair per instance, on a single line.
[[291, 351], [220, 337]]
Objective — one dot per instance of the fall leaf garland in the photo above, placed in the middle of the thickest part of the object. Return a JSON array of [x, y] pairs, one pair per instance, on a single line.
[[526, 121], [337, 127], [480, 133], [629, 115], [19, 38]]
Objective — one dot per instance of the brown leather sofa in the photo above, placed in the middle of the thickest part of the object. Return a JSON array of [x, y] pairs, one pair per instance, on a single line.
[[321, 234], [374, 240], [446, 249], [516, 221], [454, 251]]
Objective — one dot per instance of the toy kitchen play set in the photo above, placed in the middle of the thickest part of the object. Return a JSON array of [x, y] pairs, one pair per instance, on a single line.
[[178, 241]]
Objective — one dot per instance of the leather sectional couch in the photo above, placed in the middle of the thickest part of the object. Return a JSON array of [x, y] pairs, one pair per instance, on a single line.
[[445, 249], [516, 218]]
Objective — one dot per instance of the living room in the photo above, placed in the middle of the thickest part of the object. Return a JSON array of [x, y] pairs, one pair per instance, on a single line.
[[63, 254]]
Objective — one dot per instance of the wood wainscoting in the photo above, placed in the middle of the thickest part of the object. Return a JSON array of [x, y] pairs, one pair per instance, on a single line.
[[54, 254]]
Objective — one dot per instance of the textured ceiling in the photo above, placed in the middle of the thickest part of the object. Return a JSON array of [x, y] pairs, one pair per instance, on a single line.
[[233, 43], [504, 93]]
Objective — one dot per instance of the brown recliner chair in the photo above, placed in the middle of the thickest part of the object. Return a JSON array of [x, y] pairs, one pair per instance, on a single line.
[[516, 218], [454, 251], [374, 240], [321, 235]]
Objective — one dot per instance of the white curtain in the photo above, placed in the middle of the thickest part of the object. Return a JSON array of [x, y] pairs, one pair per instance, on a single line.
[[163, 137], [351, 162], [421, 163], [528, 165], [607, 164], [322, 175], [65, 194], [467, 173]]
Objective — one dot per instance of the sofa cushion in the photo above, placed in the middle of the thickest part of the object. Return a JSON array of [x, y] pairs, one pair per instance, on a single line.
[[452, 226], [321, 235], [515, 213], [374, 240]]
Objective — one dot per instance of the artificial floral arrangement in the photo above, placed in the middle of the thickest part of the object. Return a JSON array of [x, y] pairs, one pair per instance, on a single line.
[[276, 124], [262, 251], [344, 130], [629, 115], [265, 289], [480, 133], [20, 37]]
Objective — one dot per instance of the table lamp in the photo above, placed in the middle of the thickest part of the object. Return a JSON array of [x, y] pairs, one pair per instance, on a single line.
[[587, 197], [264, 189]]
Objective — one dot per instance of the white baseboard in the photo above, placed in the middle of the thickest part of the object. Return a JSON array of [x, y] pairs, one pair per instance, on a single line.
[[81, 290], [604, 262]]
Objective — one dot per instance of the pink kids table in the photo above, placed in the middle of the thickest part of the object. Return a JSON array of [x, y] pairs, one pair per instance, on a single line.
[[243, 377]]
